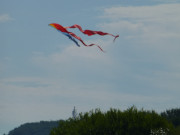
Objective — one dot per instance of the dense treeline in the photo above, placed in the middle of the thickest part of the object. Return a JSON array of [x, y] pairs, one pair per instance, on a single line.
[[38, 128], [115, 122]]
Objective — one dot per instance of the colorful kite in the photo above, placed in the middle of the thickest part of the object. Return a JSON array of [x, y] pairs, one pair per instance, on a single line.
[[73, 36]]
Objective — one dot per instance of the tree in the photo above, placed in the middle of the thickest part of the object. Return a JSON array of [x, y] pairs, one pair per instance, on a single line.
[[172, 115]]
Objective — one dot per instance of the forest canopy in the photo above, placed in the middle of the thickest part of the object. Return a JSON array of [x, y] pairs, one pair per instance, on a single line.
[[115, 122], [112, 122]]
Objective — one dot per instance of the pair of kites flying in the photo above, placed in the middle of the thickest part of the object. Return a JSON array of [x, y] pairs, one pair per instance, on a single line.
[[73, 36]]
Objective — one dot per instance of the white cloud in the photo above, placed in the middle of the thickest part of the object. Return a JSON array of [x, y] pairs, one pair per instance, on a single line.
[[57, 94], [5, 18], [167, 1], [152, 29], [159, 21], [143, 13], [152, 36], [72, 56]]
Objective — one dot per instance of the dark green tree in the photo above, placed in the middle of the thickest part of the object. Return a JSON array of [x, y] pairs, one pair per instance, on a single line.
[[172, 115]]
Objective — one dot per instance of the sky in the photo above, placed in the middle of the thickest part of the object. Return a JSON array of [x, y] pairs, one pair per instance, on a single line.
[[43, 74]]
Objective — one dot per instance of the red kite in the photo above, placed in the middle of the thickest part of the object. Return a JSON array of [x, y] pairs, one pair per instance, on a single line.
[[73, 36]]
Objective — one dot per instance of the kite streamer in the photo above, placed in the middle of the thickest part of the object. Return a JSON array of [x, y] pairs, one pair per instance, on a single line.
[[91, 32], [73, 36], [70, 37]]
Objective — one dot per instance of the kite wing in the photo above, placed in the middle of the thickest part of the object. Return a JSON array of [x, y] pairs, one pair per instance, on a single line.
[[70, 37], [65, 32]]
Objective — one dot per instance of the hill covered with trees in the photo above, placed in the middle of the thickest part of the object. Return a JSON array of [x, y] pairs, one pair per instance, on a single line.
[[36, 128]]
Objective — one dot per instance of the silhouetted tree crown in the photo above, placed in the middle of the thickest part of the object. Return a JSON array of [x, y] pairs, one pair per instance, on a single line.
[[172, 115]]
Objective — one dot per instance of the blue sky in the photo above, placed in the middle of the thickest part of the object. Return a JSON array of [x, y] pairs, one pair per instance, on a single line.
[[43, 74]]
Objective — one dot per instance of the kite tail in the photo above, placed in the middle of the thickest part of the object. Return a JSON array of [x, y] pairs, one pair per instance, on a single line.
[[76, 26], [91, 32], [100, 48], [71, 38], [75, 36], [115, 37], [91, 45], [94, 45]]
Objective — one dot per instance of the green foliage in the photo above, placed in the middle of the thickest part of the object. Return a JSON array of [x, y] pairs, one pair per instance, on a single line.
[[113, 122], [177, 130], [38, 128], [173, 116]]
